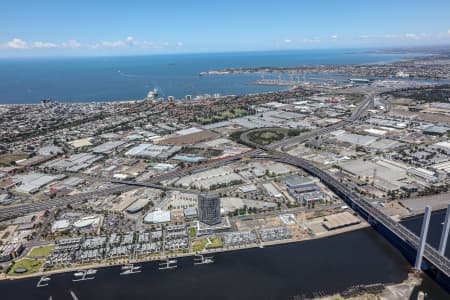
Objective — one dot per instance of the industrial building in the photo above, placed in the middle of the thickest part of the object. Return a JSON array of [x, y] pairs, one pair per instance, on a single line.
[[424, 174], [209, 179], [272, 190], [108, 147], [190, 213], [157, 217], [161, 152], [443, 146], [73, 163], [354, 139], [247, 188], [60, 225], [87, 222], [31, 183], [138, 205], [304, 189]]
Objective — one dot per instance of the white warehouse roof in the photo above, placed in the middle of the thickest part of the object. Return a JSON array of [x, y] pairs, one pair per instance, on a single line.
[[158, 216]]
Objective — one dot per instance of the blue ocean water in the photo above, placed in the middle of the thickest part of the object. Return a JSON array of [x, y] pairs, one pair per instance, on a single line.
[[85, 79]]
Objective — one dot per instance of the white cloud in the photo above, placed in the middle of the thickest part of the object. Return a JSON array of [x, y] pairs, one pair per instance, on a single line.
[[287, 41], [114, 44], [448, 31], [71, 44], [411, 36], [364, 36], [418, 36], [17, 43], [334, 36], [129, 41], [44, 45], [147, 44], [390, 36]]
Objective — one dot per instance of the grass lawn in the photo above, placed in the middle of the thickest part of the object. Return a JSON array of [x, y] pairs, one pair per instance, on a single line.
[[267, 136], [215, 243], [199, 245], [192, 232], [8, 159], [32, 266], [40, 251], [208, 243]]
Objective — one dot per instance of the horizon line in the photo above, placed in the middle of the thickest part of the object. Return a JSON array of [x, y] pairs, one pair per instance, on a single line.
[[392, 48]]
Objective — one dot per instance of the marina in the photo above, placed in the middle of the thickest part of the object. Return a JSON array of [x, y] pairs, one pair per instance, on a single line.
[[128, 269], [168, 264], [84, 275], [43, 281], [201, 260]]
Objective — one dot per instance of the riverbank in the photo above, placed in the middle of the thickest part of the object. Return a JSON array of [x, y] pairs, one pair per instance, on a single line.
[[416, 206], [398, 291], [119, 262]]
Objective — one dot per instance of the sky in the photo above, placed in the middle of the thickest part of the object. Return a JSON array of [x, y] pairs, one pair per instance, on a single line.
[[134, 27]]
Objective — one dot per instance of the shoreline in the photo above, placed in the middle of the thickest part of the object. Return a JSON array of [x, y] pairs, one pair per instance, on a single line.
[[119, 262]]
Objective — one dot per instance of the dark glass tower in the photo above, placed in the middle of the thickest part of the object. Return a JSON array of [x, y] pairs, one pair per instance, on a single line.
[[209, 208]]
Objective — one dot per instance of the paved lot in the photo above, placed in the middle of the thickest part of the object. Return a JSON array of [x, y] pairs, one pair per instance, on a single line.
[[437, 202]]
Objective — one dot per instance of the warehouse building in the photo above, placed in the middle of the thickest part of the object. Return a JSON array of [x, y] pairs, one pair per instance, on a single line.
[[33, 182], [157, 217]]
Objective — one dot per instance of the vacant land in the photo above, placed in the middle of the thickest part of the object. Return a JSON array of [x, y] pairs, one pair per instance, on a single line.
[[40, 251], [10, 159], [434, 94]]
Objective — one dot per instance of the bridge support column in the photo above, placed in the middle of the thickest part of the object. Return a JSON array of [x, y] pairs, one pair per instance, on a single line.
[[423, 238], [445, 230]]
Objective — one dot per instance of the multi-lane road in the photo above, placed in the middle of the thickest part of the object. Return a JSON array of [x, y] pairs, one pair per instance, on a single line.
[[50, 203]]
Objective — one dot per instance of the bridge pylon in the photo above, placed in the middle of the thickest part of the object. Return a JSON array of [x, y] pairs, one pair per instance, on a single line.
[[444, 234], [423, 238]]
